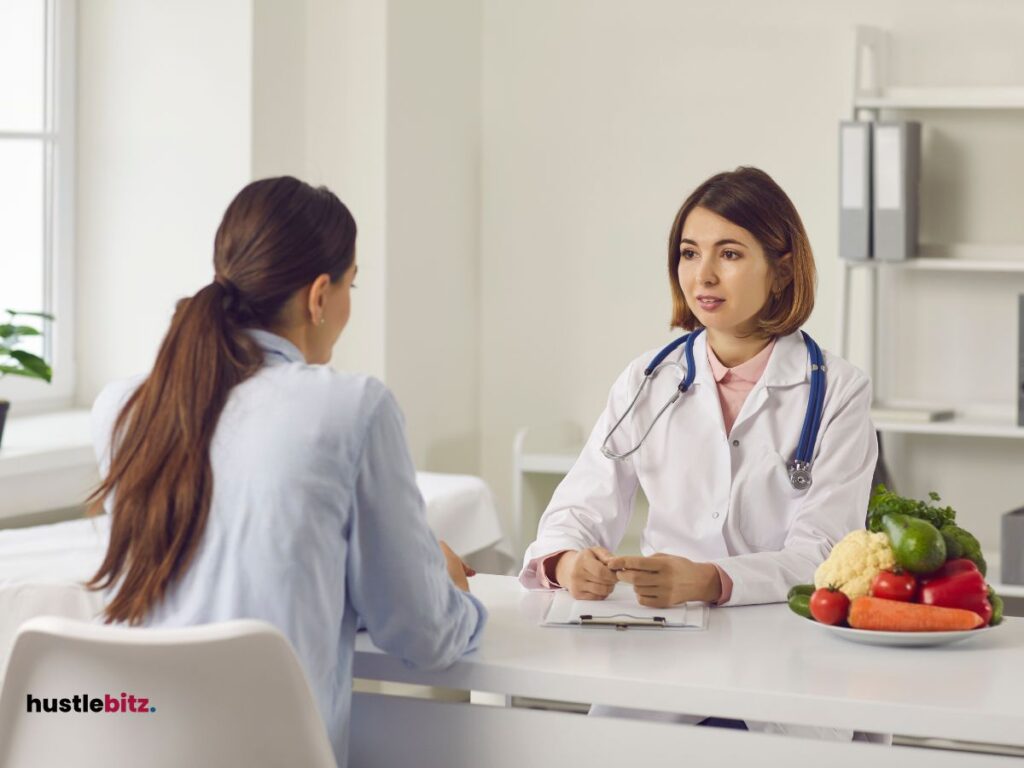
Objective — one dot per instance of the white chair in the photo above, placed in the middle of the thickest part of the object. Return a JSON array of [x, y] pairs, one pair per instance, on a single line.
[[228, 694]]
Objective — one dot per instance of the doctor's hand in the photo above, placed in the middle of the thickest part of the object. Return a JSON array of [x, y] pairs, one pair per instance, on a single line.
[[458, 571], [585, 573], [663, 580]]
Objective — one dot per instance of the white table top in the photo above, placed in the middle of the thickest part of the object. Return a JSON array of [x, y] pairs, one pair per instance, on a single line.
[[755, 662]]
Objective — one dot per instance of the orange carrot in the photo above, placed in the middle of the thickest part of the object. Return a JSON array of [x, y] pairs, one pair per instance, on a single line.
[[896, 616]]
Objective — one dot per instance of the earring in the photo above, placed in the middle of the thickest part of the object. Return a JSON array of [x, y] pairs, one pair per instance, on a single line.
[[322, 319]]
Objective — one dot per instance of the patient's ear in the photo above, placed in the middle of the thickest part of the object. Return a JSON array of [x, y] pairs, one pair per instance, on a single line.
[[317, 298]]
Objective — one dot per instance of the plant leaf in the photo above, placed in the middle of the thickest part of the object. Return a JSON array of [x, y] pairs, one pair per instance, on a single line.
[[9, 370], [34, 365], [8, 330], [44, 315]]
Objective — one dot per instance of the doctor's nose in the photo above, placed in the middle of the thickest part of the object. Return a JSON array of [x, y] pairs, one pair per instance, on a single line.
[[706, 273]]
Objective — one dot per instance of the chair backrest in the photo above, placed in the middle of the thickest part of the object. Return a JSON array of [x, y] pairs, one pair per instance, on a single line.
[[220, 694]]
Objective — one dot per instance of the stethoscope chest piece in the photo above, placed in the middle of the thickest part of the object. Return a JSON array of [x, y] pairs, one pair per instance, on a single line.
[[800, 475]]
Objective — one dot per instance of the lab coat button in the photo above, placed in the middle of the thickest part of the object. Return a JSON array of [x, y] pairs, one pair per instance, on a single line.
[[714, 515], [735, 443]]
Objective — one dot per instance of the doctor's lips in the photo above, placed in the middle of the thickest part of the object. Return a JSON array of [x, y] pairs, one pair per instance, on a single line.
[[709, 303]]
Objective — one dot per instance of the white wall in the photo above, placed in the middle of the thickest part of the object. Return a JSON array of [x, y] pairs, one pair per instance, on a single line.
[[390, 120], [182, 104], [279, 88], [164, 131], [433, 211], [319, 113], [599, 117]]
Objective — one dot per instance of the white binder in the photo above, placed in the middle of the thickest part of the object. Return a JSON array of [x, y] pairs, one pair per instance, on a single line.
[[621, 611], [855, 190], [897, 154]]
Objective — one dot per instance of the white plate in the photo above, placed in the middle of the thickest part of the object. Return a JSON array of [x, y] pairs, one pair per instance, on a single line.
[[906, 639]]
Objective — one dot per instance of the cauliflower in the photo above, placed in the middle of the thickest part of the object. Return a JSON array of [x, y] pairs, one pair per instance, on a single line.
[[854, 562]]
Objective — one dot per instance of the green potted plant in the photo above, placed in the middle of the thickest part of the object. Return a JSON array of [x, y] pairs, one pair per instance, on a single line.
[[18, 362]]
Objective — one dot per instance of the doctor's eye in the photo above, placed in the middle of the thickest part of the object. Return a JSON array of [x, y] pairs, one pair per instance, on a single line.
[[731, 255], [688, 254]]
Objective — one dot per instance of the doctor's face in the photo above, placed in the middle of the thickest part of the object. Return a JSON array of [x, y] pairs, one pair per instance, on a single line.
[[723, 272]]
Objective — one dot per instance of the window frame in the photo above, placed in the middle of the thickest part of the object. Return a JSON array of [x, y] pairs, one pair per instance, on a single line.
[[58, 134]]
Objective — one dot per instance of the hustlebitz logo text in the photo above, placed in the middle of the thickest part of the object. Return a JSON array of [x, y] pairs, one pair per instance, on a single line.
[[126, 703]]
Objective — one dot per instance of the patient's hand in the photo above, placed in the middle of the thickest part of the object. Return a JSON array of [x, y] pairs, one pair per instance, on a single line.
[[585, 573], [458, 571]]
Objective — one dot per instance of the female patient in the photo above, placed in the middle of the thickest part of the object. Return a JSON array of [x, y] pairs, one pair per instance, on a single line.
[[730, 522], [246, 478]]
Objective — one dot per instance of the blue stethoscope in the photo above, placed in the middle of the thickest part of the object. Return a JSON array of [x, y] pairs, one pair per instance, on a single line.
[[799, 467]]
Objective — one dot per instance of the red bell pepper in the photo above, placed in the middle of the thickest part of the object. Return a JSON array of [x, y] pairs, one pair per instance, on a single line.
[[950, 567], [965, 589]]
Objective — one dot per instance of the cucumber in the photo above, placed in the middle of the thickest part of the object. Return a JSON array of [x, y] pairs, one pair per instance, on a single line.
[[997, 610], [997, 607], [801, 589], [801, 605]]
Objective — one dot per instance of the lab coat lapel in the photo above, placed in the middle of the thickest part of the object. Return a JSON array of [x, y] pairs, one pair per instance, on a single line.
[[786, 366], [755, 402], [705, 386]]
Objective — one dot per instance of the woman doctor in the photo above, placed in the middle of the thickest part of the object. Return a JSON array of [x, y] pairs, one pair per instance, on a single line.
[[727, 522], [246, 478]]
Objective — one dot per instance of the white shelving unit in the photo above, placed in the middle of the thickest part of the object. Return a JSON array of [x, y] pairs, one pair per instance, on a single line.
[[941, 98], [871, 98]]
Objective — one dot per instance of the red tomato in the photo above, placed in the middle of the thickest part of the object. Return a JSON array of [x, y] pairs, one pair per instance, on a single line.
[[890, 585], [829, 606]]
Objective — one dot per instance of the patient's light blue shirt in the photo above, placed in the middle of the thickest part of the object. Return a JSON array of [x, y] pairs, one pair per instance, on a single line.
[[316, 524]]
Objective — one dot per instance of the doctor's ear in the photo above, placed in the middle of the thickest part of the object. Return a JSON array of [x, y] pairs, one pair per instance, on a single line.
[[783, 273]]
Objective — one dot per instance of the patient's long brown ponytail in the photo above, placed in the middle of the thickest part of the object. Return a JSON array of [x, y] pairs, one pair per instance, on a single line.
[[277, 236]]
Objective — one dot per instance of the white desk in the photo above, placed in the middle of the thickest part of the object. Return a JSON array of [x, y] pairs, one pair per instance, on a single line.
[[42, 567], [756, 662]]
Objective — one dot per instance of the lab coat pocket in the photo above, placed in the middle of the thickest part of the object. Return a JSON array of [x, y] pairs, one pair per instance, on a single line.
[[769, 502]]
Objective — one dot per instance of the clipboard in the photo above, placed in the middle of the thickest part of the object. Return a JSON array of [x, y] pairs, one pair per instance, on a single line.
[[621, 611]]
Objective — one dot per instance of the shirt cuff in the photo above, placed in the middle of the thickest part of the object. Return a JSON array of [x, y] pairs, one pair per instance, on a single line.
[[726, 585], [545, 567]]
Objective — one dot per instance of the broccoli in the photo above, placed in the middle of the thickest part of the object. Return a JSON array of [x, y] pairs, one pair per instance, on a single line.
[[969, 546], [954, 549], [884, 502]]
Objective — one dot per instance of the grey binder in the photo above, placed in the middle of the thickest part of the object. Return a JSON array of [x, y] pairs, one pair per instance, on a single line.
[[896, 148], [1011, 548], [854, 190]]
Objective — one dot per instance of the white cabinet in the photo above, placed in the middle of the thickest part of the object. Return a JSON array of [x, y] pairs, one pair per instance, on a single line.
[[545, 454]]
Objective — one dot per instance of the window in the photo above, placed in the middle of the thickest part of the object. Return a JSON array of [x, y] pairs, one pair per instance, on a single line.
[[37, 86]]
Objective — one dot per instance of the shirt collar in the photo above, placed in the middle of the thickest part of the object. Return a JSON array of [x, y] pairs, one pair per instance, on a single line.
[[749, 371], [788, 362], [278, 348]]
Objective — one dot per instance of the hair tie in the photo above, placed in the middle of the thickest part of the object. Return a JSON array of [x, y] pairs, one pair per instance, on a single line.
[[233, 301]]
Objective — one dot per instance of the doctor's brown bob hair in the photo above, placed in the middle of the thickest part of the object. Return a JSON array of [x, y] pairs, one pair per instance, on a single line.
[[750, 198]]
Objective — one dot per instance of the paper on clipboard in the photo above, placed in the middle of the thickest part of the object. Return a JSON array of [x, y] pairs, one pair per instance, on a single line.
[[621, 610]]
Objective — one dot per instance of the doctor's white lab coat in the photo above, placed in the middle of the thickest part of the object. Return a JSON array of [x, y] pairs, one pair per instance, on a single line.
[[717, 497]]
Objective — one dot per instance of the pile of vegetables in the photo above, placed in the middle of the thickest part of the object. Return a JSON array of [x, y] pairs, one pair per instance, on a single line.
[[913, 569]]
